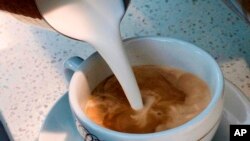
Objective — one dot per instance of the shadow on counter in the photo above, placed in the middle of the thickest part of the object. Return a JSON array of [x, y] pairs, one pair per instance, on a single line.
[[3, 134]]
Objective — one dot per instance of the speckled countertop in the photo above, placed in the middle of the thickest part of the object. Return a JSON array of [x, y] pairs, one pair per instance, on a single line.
[[31, 58]]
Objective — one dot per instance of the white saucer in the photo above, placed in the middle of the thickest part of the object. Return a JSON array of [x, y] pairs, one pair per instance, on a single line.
[[59, 124]]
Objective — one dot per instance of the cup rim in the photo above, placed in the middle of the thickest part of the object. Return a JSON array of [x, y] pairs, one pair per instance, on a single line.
[[216, 97]]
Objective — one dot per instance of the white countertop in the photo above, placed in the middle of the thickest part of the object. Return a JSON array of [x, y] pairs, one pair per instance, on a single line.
[[31, 58]]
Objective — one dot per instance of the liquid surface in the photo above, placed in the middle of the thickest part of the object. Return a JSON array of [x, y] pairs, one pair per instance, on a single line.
[[98, 23], [171, 97]]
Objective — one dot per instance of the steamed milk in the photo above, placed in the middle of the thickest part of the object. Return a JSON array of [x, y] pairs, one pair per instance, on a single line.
[[97, 22]]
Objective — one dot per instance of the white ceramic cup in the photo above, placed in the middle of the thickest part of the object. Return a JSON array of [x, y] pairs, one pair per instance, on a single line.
[[149, 51]]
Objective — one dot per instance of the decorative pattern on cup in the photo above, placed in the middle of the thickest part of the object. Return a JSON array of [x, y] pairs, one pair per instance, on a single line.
[[87, 136]]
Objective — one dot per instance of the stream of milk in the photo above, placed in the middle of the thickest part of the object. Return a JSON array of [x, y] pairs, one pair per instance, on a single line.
[[98, 23]]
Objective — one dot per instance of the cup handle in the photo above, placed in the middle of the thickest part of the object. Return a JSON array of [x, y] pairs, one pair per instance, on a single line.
[[71, 65]]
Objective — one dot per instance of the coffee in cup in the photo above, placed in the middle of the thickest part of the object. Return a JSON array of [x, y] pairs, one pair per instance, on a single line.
[[171, 98], [155, 51]]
